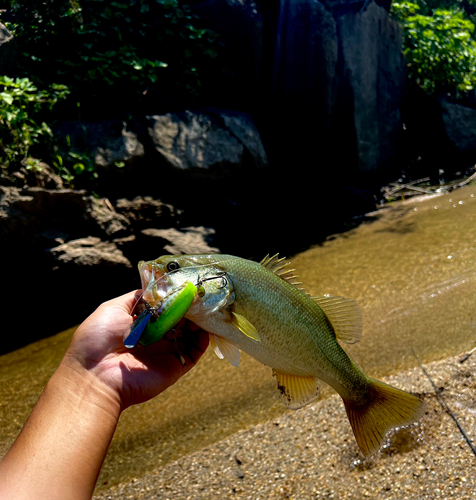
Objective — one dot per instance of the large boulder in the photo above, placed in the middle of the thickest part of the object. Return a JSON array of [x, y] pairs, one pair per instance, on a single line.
[[332, 84], [210, 140], [460, 128], [104, 145], [373, 78]]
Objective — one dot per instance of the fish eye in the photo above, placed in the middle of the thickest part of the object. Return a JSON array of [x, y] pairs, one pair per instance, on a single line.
[[173, 266]]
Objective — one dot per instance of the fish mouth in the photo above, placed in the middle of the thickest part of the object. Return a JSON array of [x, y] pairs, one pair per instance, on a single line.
[[155, 283]]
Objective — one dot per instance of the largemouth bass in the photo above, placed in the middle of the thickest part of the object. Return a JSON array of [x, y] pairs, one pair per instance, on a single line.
[[258, 308]]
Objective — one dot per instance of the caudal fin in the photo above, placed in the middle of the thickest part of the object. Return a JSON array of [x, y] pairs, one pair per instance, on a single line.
[[385, 409]]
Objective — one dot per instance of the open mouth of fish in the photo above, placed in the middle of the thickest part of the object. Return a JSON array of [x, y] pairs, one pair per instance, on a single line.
[[155, 284]]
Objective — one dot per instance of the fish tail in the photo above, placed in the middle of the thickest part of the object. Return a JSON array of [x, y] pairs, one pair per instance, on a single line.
[[384, 409]]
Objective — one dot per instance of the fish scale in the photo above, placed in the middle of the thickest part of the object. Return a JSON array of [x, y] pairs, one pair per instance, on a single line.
[[281, 306], [253, 307]]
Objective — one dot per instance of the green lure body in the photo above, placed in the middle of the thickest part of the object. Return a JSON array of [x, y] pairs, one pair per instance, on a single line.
[[172, 309]]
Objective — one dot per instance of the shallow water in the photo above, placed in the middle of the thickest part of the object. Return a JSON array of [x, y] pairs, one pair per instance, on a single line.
[[411, 267]]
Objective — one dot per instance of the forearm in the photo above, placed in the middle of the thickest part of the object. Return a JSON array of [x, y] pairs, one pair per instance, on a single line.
[[61, 448]]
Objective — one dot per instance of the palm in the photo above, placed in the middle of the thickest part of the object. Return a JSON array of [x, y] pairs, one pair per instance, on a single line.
[[136, 374]]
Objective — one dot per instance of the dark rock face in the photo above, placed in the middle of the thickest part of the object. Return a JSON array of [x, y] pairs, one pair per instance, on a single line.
[[7, 50], [460, 127], [65, 252], [373, 78], [104, 143], [330, 81]]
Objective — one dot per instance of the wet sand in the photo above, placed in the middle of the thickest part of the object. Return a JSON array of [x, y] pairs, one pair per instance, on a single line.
[[311, 453]]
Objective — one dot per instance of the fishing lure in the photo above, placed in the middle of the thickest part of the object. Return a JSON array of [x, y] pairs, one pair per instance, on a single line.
[[154, 322]]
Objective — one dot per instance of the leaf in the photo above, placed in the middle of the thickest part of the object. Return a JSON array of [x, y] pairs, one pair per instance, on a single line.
[[8, 98]]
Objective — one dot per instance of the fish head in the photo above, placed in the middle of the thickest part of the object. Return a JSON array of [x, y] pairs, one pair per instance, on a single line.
[[161, 276]]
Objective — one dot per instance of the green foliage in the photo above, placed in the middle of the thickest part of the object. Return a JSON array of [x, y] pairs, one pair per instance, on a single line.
[[439, 48], [21, 108], [114, 54]]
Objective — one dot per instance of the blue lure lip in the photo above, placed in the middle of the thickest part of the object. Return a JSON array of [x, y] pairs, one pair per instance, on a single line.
[[137, 328]]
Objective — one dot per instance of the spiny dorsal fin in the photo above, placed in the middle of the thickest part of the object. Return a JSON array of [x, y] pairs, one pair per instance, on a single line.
[[245, 326], [295, 391], [225, 349], [344, 315], [277, 266]]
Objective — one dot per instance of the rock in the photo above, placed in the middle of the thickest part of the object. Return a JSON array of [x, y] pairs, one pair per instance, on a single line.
[[37, 217], [333, 80], [35, 173], [105, 144], [143, 211], [354, 5], [189, 240], [372, 86], [90, 251], [460, 127], [298, 83], [207, 140], [111, 222], [7, 51]]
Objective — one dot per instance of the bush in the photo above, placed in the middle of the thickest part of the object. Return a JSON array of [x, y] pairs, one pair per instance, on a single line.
[[22, 106], [112, 55], [440, 51]]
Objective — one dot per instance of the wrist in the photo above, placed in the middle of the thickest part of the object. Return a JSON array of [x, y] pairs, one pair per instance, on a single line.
[[83, 387]]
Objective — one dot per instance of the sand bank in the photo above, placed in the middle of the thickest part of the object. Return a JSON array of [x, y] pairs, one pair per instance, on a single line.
[[311, 453]]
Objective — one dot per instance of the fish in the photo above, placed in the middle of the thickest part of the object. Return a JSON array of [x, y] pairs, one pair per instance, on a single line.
[[260, 308]]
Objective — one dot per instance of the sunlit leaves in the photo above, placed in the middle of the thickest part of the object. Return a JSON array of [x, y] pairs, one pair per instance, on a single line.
[[20, 127], [439, 48]]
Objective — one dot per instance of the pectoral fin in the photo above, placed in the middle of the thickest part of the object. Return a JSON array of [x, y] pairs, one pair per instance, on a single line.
[[245, 326], [225, 349], [296, 392], [344, 315]]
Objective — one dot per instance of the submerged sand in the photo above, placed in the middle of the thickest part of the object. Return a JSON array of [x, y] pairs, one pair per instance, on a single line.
[[311, 453]]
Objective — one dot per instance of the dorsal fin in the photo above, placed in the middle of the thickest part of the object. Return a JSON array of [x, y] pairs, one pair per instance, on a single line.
[[344, 315], [277, 266]]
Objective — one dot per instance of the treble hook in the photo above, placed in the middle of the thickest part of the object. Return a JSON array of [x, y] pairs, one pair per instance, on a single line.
[[220, 275]]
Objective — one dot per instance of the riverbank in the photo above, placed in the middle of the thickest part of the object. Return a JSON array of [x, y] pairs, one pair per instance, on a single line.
[[311, 453]]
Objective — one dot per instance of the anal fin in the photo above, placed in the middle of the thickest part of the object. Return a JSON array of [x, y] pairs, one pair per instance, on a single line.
[[296, 391]]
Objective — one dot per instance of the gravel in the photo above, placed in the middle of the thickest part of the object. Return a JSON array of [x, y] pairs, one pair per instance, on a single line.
[[311, 453]]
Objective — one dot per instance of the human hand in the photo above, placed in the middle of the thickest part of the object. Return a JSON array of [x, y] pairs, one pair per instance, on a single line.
[[134, 375]]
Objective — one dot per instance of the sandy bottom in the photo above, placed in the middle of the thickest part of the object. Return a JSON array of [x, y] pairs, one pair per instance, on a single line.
[[311, 453]]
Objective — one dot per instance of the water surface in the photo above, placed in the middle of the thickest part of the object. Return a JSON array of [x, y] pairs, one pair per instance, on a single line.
[[411, 267]]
